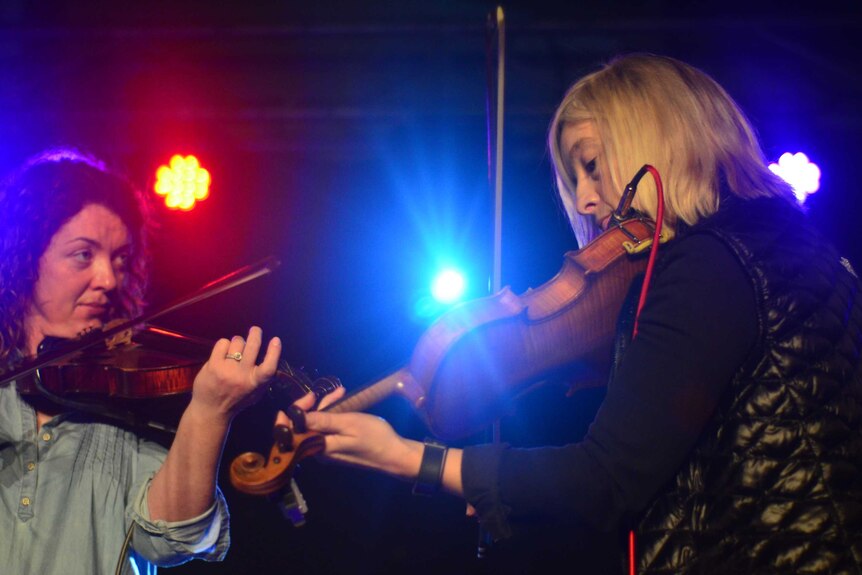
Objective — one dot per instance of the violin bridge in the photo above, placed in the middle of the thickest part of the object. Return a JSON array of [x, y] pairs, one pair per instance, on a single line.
[[122, 338], [638, 245]]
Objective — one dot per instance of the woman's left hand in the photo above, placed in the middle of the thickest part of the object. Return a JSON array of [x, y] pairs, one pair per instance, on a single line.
[[231, 379]]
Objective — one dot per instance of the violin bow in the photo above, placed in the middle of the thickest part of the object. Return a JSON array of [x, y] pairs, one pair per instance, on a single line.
[[496, 45], [496, 87]]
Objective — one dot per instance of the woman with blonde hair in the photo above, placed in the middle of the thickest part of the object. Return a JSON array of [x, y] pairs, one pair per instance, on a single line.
[[652, 110], [730, 436]]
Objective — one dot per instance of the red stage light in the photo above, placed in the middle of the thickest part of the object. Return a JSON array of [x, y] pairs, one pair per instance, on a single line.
[[182, 183]]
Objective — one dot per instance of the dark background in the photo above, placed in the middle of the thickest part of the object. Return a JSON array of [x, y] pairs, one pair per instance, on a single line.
[[350, 141]]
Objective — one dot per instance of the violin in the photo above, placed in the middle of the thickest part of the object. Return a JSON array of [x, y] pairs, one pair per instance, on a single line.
[[151, 362], [474, 360], [142, 379], [145, 378], [139, 373]]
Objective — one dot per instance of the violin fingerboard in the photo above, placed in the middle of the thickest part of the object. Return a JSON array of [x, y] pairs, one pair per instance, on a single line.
[[291, 383]]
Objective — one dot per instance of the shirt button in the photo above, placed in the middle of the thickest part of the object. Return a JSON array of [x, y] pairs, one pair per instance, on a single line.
[[46, 436], [31, 466], [25, 501]]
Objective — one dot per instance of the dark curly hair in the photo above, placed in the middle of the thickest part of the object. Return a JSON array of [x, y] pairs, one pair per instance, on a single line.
[[35, 202]]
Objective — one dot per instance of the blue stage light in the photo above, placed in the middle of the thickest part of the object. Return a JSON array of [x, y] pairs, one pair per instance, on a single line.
[[799, 172], [448, 286]]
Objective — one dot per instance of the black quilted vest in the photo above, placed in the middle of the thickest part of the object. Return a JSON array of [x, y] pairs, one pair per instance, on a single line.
[[774, 484]]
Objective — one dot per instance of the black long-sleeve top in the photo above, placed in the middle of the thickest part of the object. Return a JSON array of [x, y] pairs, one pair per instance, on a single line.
[[696, 329]]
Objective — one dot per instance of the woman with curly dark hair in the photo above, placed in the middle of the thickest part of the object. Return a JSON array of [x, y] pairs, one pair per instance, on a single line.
[[73, 256], [51, 188]]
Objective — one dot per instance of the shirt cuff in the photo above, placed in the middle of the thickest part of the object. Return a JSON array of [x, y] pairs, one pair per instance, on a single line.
[[168, 543]]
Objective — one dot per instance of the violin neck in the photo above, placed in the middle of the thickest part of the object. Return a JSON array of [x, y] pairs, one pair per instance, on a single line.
[[400, 382]]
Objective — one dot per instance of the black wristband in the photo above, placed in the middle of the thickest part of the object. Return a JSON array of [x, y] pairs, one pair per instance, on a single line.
[[431, 469]]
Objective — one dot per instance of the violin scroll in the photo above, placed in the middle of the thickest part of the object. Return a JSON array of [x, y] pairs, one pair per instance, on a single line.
[[252, 474]]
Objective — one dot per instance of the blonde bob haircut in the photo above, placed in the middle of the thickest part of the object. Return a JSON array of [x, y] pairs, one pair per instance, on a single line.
[[655, 110]]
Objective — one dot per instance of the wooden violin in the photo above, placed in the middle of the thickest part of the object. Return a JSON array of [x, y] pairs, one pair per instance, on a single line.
[[149, 362], [132, 371], [474, 360], [147, 380]]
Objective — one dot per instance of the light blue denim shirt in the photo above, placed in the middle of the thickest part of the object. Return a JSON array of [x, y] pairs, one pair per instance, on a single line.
[[70, 491]]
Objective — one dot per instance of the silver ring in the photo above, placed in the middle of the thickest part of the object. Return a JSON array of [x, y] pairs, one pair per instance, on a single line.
[[236, 355]]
